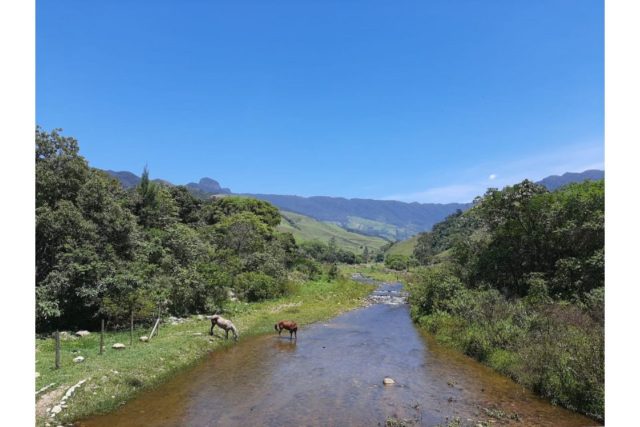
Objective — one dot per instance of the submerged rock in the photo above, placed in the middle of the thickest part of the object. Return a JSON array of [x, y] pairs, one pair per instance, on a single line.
[[388, 381]]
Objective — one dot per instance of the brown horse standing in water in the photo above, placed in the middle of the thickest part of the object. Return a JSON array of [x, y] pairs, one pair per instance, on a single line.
[[289, 325]]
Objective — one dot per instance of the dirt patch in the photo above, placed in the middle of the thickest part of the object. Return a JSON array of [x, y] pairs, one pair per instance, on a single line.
[[48, 400]]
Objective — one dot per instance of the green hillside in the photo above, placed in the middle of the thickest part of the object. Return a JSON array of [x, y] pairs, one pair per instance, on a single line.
[[374, 228], [403, 247], [305, 228]]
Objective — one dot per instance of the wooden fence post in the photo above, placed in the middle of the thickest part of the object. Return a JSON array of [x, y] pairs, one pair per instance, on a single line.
[[131, 333], [102, 337], [57, 349]]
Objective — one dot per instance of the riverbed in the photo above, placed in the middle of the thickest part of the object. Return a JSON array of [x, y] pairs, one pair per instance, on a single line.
[[332, 375]]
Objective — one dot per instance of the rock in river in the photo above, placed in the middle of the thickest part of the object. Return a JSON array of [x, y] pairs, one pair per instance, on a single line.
[[388, 381]]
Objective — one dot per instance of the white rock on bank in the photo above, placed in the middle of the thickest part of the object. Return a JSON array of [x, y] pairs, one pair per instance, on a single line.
[[144, 338], [388, 381], [118, 346], [78, 359], [83, 333]]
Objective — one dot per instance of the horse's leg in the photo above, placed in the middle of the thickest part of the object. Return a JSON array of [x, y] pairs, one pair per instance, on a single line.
[[295, 332], [211, 331], [226, 333], [290, 334], [279, 331]]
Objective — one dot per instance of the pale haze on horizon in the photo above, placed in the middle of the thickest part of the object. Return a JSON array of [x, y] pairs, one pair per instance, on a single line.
[[426, 102]]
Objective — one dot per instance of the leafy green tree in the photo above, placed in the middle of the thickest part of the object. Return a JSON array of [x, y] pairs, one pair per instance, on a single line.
[[223, 207], [153, 204], [188, 205], [60, 170]]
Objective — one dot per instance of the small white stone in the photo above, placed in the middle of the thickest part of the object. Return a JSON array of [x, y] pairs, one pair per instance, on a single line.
[[118, 346], [388, 381], [83, 333], [56, 409], [78, 359], [144, 338]]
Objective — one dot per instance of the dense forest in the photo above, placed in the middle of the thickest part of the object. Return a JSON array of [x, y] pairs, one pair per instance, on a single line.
[[106, 252], [517, 282]]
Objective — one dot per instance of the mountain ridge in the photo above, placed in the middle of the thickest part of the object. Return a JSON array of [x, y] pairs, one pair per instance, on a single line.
[[390, 219]]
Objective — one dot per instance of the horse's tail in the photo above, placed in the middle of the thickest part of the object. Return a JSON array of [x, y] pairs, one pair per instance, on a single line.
[[275, 326]]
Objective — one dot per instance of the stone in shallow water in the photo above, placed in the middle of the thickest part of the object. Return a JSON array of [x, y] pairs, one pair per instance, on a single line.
[[388, 381]]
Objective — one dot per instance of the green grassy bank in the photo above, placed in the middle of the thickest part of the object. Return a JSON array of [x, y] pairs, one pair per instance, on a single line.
[[555, 348], [118, 375]]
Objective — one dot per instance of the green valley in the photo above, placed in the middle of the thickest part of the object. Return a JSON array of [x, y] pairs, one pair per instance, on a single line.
[[305, 229]]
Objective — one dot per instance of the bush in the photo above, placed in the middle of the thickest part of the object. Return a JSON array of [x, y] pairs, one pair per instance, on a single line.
[[254, 286], [433, 290], [397, 262]]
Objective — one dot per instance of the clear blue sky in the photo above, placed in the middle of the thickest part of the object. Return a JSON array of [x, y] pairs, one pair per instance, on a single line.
[[429, 101]]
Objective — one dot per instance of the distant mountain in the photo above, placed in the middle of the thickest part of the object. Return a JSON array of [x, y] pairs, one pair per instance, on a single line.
[[388, 219], [554, 182], [208, 186], [205, 188], [126, 178], [385, 218]]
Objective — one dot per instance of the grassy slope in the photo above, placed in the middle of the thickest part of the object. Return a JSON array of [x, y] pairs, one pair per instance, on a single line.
[[118, 375], [305, 228], [368, 226], [404, 247]]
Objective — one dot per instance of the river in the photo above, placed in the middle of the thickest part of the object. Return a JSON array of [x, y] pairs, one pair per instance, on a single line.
[[332, 376]]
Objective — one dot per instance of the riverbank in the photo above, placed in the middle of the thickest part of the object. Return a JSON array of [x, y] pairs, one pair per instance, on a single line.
[[118, 375], [554, 348]]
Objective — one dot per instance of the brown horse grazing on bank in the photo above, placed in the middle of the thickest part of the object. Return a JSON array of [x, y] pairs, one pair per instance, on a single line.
[[289, 325], [224, 324]]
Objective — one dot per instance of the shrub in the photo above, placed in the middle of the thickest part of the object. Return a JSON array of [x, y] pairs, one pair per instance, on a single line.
[[433, 290], [254, 286]]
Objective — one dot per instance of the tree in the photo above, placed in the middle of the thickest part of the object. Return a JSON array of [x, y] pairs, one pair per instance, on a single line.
[[153, 204], [60, 170], [423, 250], [224, 207]]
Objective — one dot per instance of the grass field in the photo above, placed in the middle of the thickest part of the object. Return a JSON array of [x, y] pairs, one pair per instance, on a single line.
[[118, 375], [403, 247], [305, 228]]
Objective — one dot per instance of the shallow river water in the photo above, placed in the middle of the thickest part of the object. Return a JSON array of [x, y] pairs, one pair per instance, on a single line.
[[332, 376]]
